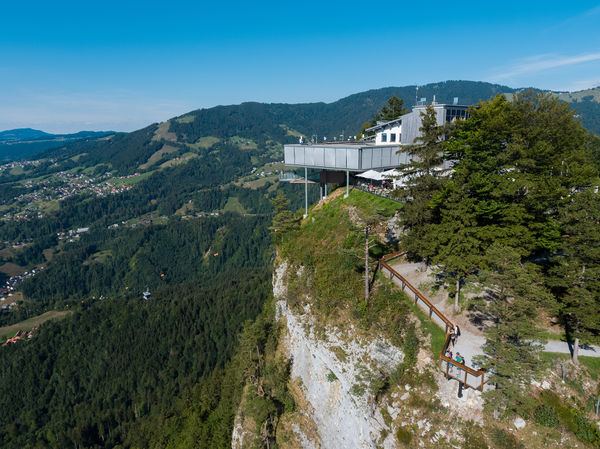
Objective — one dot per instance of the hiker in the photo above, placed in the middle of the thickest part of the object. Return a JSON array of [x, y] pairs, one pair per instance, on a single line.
[[456, 332], [459, 359], [452, 338], [451, 365]]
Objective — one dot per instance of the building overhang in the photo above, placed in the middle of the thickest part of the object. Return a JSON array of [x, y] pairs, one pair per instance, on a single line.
[[345, 157]]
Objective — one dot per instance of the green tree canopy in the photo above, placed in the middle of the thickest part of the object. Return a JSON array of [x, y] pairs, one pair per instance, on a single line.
[[390, 111]]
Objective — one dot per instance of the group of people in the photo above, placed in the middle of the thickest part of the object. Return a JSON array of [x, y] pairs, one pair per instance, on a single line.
[[383, 190], [454, 334]]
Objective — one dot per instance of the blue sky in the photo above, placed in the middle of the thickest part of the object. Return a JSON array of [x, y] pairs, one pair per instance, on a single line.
[[67, 66]]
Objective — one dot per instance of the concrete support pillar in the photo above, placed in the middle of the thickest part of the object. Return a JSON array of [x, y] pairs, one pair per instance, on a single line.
[[305, 192], [347, 184]]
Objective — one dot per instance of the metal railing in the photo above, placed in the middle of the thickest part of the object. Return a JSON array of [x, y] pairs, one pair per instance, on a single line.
[[377, 192], [451, 368]]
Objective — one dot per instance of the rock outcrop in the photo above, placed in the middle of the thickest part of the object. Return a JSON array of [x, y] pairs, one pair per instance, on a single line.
[[334, 371]]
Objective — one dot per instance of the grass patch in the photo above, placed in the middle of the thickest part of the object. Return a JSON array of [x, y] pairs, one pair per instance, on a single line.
[[48, 254], [404, 435], [185, 119], [329, 247], [591, 363], [162, 132], [259, 183], [132, 180], [372, 205], [12, 269], [436, 334], [289, 131], [204, 143], [158, 155], [243, 143], [100, 256], [16, 171], [177, 161], [233, 205], [33, 322], [78, 156], [554, 410]]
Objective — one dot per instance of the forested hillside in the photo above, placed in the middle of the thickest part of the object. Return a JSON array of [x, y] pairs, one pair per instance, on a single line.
[[268, 125], [19, 143], [193, 230]]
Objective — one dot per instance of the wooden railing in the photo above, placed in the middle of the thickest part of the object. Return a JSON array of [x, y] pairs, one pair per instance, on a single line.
[[434, 314], [451, 368]]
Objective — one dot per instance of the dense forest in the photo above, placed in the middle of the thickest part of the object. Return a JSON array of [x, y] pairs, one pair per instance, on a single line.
[[91, 378], [117, 367]]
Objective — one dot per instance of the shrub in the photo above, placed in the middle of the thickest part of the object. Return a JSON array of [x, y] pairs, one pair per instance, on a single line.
[[357, 389], [545, 416], [404, 435], [474, 438], [504, 440]]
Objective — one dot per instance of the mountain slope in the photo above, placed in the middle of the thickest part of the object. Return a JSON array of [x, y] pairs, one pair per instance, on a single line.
[[20, 143], [15, 135], [268, 126]]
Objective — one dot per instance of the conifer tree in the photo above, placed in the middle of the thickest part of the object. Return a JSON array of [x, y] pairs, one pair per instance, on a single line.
[[426, 181], [513, 341], [575, 275], [390, 111], [455, 240], [283, 219]]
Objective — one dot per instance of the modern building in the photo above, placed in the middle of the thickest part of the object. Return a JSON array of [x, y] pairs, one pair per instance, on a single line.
[[405, 129], [381, 151]]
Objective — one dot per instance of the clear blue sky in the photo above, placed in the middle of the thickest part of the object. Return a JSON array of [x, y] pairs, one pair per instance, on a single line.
[[67, 66]]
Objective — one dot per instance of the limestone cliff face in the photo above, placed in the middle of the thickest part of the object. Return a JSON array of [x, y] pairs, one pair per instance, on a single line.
[[332, 371]]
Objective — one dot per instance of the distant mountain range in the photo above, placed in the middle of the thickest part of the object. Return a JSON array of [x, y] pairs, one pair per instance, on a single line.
[[22, 142], [261, 124]]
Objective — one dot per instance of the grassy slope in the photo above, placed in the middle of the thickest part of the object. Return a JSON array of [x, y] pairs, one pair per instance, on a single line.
[[31, 323]]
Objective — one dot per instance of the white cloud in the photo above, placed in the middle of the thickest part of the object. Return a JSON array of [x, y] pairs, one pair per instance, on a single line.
[[544, 62]]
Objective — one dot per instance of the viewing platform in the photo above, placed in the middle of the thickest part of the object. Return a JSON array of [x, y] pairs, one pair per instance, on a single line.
[[351, 157]]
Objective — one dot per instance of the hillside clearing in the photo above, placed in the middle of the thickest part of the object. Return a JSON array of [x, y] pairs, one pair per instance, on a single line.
[[166, 149], [31, 323], [12, 269]]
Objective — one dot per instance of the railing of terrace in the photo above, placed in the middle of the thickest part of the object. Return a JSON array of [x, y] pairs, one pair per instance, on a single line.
[[451, 368]]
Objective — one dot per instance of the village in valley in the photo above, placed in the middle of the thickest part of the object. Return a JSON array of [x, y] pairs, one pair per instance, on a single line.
[[41, 195]]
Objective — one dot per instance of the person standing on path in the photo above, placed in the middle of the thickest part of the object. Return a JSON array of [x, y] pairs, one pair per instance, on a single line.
[[456, 332], [451, 365], [459, 359]]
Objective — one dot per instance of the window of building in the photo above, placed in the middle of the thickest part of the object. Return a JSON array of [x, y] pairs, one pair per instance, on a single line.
[[384, 137], [392, 137]]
